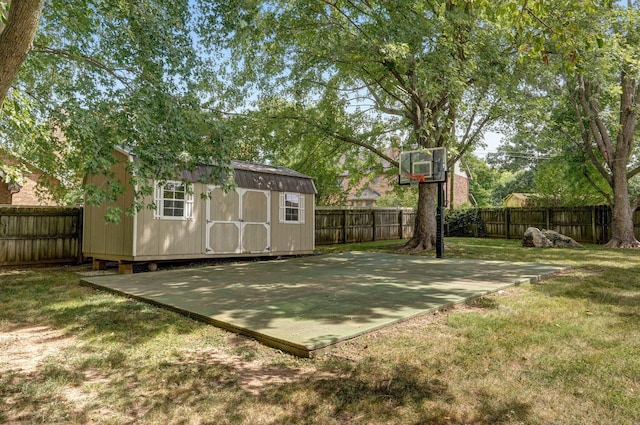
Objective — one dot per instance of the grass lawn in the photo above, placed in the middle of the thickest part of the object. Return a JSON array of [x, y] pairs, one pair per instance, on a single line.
[[565, 351]]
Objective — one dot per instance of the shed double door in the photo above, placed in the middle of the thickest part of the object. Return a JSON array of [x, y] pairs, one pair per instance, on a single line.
[[238, 221]]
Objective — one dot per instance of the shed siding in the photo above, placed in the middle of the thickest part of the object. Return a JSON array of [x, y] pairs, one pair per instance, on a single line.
[[292, 238], [102, 238], [176, 238], [170, 238]]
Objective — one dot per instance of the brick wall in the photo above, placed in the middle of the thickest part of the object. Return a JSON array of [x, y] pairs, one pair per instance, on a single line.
[[460, 190], [27, 194], [5, 194]]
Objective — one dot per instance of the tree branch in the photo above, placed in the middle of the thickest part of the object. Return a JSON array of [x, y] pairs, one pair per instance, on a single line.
[[334, 134], [379, 102], [585, 173], [83, 58], [598, 129], [467, 140], [390, 93], [634, 172], [341, 137], [586, 143], [348, 18]]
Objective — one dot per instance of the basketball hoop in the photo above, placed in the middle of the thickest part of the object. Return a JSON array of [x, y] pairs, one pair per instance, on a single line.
[[422, 166]]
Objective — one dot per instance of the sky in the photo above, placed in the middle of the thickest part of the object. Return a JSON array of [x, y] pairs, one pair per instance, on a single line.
[[492, 140]]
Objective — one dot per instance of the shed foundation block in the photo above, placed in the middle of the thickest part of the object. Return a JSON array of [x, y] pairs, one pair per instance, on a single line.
[[125, 268], [99, 264]]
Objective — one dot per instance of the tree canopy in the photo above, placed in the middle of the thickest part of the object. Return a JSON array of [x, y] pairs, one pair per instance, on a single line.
[[430, 73], [315, 83], [106, 74], [591, 85]]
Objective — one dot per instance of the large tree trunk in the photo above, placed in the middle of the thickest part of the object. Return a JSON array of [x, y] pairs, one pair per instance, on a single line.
[[616, 155], [16, 39], [622, 234], [424, 229]]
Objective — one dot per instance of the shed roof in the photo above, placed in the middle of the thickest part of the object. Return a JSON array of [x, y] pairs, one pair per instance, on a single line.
[[259, 176], [252, 175]]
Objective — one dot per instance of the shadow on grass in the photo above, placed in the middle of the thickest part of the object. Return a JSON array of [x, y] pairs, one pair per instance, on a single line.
[[494, 411], [55, 299], [111, 319], [608, 290], [401, 395], [615, 286], [370, 395]]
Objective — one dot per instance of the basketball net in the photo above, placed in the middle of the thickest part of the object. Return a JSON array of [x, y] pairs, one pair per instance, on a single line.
[[415, 180]]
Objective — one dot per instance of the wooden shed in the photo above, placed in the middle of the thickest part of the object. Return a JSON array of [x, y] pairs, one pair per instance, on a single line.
[[269, 213]]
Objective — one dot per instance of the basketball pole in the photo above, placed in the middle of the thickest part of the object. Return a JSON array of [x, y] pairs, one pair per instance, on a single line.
[[440, 219], [427, 166]]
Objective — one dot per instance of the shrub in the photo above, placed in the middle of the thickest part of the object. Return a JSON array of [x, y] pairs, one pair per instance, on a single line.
[[464, 222]]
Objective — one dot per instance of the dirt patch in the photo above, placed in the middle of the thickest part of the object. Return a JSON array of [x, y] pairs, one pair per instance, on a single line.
[[254, 376], [23, 349]]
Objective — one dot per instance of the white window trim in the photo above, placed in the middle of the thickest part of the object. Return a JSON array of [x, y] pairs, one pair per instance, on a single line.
[[158, 198], [283, 208]]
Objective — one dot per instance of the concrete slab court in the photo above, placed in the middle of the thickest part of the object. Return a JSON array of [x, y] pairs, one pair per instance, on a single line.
[[304, 305]]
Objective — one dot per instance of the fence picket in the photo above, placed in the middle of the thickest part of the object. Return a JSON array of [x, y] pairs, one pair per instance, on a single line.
[[30, 235], [352, 224]]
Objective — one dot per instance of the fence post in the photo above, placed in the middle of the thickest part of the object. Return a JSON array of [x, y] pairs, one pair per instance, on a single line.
[[594, 232], [80, 234], [400, 230], [344, 226], [549, 218], [373, 216], [507, 221]]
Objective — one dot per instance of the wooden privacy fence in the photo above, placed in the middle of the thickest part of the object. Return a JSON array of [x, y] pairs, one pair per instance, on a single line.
[[591, 224], [351, 224], [33, 235], [583, 224]]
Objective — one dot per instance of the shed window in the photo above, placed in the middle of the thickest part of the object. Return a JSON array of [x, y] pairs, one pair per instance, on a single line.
[[291, 208], [174, 201]]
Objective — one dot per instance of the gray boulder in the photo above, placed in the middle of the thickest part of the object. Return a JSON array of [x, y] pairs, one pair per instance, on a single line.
[[534, 237], [560, 241]]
